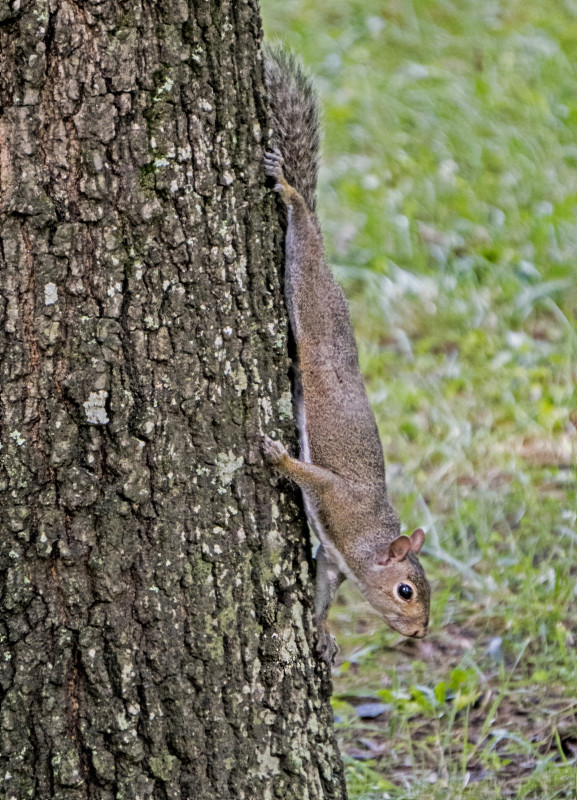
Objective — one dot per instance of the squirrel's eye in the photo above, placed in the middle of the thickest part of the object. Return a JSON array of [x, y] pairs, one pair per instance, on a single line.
[[405, 591]]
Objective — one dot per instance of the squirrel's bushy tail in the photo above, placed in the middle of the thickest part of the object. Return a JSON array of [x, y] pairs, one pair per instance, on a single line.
[[295, 120]]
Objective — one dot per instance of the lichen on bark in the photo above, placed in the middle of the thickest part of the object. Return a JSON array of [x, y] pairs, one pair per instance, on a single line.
[[155, 627]]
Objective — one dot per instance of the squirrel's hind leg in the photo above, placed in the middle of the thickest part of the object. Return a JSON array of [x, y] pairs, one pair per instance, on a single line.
[[273, 164]]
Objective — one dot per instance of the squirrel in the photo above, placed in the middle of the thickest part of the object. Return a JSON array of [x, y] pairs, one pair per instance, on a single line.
[[341, 470]]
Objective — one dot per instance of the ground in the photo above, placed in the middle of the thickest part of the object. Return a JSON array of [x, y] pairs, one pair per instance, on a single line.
[[448, 197]]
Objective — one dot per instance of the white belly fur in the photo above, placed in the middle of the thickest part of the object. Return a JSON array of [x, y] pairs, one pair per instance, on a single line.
[[312, 515]]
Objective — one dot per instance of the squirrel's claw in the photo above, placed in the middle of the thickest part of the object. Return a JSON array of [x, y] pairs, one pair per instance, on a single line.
[[273, 162], [327, 647], [273, 451]]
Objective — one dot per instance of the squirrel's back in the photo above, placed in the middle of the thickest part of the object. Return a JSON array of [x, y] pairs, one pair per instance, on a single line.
[[295, 120], [337, 427]]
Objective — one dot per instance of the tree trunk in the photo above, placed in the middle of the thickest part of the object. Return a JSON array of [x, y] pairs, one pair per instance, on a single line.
[[155, 627]]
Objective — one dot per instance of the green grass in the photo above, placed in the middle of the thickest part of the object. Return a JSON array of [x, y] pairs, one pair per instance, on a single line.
[[448, 199]]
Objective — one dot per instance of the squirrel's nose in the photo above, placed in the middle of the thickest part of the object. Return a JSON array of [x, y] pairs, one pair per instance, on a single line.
[[420, 633]]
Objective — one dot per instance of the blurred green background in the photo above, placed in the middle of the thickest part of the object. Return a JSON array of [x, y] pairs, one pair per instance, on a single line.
[[448, 198]]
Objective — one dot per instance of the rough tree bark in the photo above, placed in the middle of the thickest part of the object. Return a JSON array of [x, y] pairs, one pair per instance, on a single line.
[[155, 630]]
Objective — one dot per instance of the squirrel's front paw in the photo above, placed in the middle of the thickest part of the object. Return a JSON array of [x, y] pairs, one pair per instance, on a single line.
[[273, 451], [273, 162], [327, 647]]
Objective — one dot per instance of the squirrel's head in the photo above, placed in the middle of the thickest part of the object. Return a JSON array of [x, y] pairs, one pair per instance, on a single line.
[[398, 587]]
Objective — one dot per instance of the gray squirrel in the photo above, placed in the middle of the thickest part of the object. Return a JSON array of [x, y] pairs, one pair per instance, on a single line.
[[341, 470]]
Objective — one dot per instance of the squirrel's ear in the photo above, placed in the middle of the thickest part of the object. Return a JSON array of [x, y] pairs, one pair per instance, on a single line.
[[395, 551], [417, 540]]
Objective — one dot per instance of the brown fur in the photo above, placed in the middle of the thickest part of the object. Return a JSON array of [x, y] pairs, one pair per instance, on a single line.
[[342, 469]]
